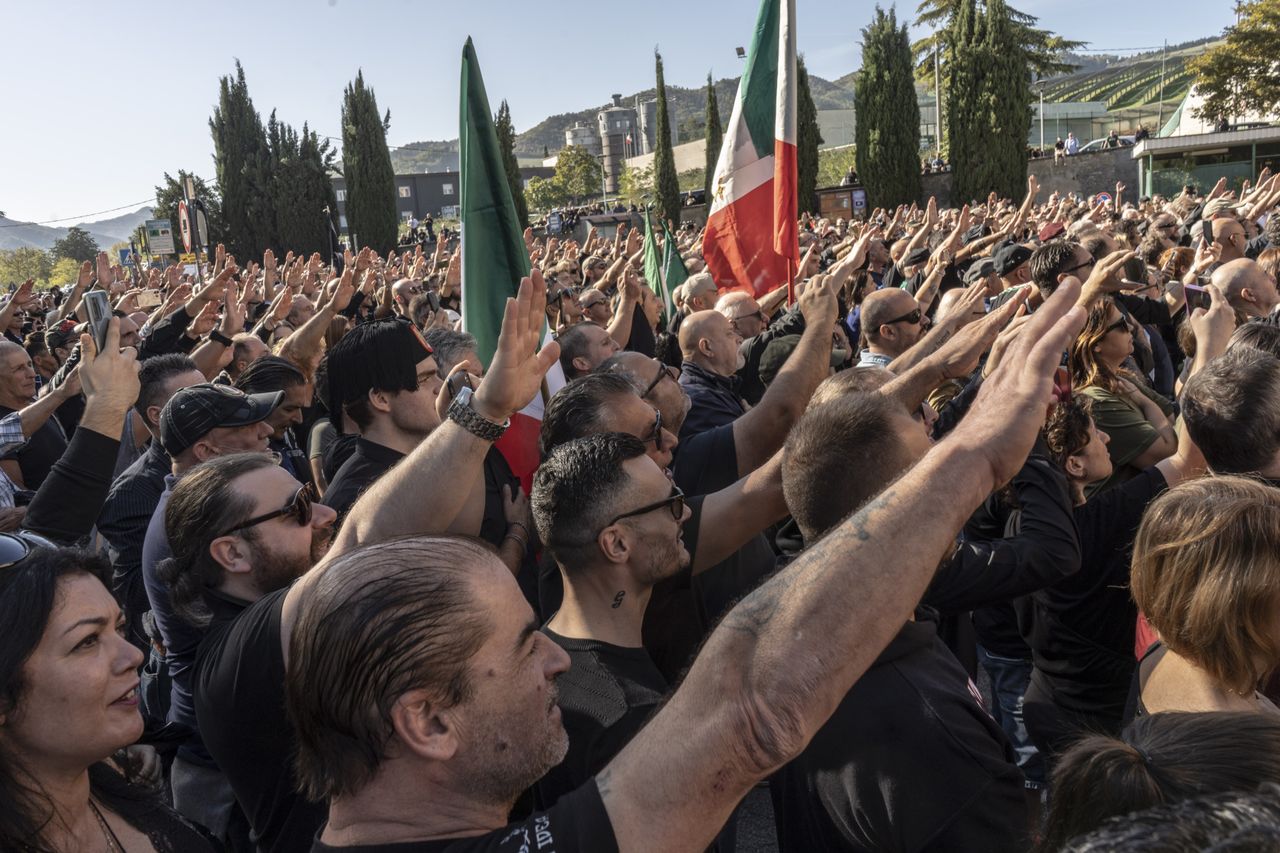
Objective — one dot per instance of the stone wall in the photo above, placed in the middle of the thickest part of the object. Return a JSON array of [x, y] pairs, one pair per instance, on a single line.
[[1086, 174]]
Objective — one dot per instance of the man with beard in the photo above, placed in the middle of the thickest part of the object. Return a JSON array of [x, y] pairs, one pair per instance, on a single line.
[[613, 521], [261, 530]]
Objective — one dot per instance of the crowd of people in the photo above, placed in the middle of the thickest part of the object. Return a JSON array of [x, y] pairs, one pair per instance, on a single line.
[[270, 581]]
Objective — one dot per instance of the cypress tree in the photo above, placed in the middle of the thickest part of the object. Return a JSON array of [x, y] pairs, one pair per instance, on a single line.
[[366, 166], [507, 145], [715, 136], [1009, 88], [887, 134], [808, 138], [301, 165], [242, 165], [665, 183], [965, 93]]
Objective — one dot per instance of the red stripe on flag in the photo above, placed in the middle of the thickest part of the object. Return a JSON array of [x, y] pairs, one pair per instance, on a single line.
[[738, 245], [519, 445]]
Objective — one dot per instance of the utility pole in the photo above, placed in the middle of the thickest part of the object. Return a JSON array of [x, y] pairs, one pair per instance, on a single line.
[[1041, 88], [1160, 121]]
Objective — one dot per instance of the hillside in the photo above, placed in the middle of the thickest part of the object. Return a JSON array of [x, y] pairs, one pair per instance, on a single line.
[[1129, 82], [1121, 82], [687, 107], [17, 235]]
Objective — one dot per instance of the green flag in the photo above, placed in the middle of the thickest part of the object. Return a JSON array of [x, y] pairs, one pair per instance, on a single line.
[[674, 272], [653, 261], [494, 258]]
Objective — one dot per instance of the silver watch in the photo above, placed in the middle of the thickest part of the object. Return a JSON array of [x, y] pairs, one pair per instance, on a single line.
[[462, 413]]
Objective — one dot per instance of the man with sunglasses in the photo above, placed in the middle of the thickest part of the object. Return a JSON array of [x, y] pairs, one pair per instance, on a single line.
[[614, 523], [892, 323], [198, 423], [437, 487]]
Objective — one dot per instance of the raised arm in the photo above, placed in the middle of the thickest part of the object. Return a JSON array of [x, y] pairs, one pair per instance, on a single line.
[[760, 432], [778, 664]]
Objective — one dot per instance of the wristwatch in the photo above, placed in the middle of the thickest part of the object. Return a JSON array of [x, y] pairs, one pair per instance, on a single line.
[[464, 415]]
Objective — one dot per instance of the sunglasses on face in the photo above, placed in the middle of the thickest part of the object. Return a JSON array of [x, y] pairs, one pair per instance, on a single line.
[[664, 370], [1087, 263], [674, 502], [298, 508], [758, 314], [913, 318], [1118, 325], [656, 438]]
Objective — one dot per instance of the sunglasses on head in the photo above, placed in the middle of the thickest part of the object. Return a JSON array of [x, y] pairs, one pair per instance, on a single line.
[[298, 508], [15, 547]]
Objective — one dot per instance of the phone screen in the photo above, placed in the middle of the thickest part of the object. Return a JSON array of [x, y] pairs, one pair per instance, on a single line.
[[1197, 297], [98, 308]]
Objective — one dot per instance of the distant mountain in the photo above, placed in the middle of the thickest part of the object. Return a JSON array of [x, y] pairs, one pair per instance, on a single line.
[[687, 109], [16, 235]]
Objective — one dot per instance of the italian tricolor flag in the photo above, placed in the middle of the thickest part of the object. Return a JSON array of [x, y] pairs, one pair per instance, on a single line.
[[751, 238], [494, 258]]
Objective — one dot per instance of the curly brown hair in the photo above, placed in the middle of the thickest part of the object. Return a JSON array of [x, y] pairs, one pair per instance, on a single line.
[[1068, 429]]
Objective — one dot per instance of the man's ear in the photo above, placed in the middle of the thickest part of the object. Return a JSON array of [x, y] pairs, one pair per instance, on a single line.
[[380, 400], [232, 553], [423, 728]]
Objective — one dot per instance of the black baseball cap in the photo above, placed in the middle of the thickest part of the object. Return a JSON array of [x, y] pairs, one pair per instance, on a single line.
[[193, 412], [1009, 258]]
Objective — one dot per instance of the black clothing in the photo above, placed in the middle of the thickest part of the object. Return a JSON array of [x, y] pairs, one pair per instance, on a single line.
[[369, 462], [123, 523], [605, 698], [790, 322], [706, 462], [169, 335], [909, 761], [642, 339], [238, 683], [1043, 550], [713, 400], [337, 453], [578, 823], [1081, 629], [69, 500], [493, 524], [43, 448], [168, 831]]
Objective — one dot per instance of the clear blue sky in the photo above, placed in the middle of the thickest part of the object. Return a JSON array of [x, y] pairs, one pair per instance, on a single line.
[[102, 98]]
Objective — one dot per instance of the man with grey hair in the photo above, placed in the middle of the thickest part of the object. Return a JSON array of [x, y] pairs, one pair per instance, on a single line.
[[747, 318], [699, 295]]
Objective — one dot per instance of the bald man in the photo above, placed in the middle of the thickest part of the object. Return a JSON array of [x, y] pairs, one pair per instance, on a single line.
[[1229, 237], [1248, 287], [892, 322], [712, 355]]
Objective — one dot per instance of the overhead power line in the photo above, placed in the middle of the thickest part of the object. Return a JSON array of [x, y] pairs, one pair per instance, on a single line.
[[81, 216]]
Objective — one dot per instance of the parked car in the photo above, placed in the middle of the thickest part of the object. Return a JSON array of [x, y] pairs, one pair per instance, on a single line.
[[1097, 144]]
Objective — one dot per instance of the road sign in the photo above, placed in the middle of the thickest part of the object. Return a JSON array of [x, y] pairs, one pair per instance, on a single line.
[[184, 223], [1103, 197], [159, 237]]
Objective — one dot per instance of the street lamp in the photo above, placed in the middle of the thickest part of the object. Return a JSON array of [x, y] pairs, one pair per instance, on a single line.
[[1040, 87]]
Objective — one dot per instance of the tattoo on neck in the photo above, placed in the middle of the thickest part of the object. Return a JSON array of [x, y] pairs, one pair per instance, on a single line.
[[617, 600]]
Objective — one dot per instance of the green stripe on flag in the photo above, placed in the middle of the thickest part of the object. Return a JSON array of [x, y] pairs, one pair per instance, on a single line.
[[759, 86], [653, 263], [674, 272], [494, 258]]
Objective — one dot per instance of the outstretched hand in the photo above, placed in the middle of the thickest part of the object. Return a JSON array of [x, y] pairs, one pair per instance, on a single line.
[[1012, 405], [515, 375]]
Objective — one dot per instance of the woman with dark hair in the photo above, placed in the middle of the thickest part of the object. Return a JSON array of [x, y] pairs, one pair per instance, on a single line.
[[1164, 758], [1135, 418], [68, 705]]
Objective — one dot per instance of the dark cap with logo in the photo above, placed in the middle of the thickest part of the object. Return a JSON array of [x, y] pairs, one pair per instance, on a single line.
[[1010, 258], [194, 412]]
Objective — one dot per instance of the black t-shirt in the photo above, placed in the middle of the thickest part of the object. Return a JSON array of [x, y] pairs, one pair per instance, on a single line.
[[909, 761], [369, 462], [238, 684], [43, 448], [605, 698], [578, 823], [1081, 629], [706, 462]]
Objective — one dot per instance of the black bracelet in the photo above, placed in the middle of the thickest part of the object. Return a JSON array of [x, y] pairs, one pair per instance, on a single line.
[[219, 338]]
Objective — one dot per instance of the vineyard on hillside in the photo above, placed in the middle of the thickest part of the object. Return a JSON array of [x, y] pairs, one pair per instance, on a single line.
[[1129, 83]]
